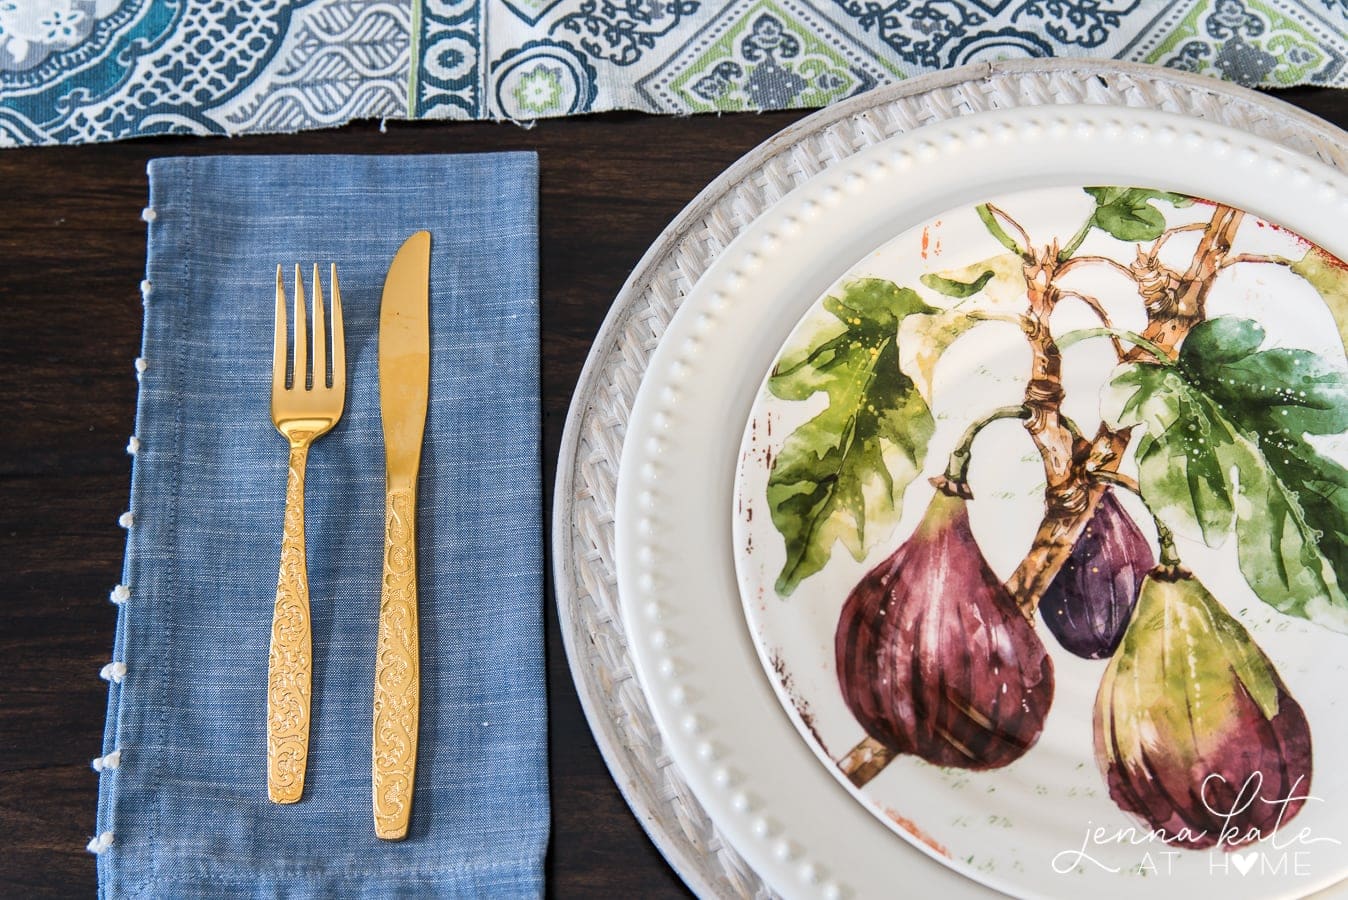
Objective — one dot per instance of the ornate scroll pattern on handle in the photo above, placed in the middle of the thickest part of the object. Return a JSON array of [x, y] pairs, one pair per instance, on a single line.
[[290, 661], [396, 674]]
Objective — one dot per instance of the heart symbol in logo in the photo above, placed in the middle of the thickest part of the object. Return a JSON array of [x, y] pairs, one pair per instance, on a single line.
[[1245, 862]]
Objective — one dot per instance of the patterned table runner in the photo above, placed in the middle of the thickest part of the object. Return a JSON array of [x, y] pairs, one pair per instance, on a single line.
[[74, 71]]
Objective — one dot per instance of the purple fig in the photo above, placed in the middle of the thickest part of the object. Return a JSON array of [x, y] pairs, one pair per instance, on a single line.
[[935, 658], [1195, 733], [1089, 602]]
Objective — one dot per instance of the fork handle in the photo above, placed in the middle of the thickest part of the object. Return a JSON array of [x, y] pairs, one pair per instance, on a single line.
[[397, 678], [290, 660]]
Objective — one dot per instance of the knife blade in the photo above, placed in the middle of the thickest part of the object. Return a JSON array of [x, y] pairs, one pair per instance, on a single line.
[[404, 384]]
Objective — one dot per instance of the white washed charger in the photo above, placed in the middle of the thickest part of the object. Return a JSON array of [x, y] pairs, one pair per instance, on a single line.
[[585, 556]]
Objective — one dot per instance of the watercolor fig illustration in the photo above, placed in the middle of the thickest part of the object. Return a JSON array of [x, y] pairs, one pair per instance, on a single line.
[[1202, 434], [935, 658], [1090, 601], [1224, 713]]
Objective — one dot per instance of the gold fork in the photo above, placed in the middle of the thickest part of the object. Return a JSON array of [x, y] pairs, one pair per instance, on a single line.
[[303, 411]]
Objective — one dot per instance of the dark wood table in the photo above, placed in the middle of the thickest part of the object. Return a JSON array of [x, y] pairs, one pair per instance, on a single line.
[[72, 254]]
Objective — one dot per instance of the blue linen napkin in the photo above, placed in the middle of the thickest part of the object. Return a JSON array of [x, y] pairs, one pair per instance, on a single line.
[[183, 809]]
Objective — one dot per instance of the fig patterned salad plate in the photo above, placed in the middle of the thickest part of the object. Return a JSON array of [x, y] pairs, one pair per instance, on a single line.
[[1041, 519], [1037, 524]]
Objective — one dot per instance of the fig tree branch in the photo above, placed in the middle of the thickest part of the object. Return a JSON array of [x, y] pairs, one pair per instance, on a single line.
[[1171, 232], [1256, 258], [1075, 468], [1098, 261], [1044, 390], [1099, 310], [1174, 303], [1072, 428], [1118, 479], [866, 760], [1184, 308], [957, 470]]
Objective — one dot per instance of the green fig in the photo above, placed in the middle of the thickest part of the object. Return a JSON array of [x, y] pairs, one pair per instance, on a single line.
[[1195, 732]]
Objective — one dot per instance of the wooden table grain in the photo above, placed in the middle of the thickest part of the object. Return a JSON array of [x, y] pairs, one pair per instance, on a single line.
[[72, 254]]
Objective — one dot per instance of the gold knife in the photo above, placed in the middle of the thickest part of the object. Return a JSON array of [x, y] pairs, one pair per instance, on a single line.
[[404, 381]]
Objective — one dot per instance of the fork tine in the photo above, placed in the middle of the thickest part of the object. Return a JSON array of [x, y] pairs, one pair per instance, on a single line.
[[338, 340], [280, 342], [301, 335], [320, 334]]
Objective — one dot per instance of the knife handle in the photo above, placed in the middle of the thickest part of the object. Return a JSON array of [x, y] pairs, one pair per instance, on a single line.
[[397, 679], [290, 659]]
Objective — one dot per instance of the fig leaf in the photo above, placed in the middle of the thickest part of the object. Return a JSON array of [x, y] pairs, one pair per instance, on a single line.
[[957, 289], [1000, 297], [1128, 213], [1226, 447], [841, 475], [999, 233]]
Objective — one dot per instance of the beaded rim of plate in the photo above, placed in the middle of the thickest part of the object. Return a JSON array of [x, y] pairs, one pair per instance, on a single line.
[[583, 535]]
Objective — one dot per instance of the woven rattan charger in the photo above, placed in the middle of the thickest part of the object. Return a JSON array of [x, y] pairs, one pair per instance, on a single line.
[[587, 472]]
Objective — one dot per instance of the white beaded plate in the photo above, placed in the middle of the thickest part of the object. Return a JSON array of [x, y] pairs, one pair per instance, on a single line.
[[1044, 823], [746, 809]]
